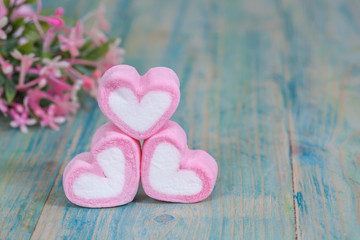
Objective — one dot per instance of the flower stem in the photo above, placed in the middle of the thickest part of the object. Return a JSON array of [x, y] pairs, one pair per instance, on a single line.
[[28, 85], [81, 62]]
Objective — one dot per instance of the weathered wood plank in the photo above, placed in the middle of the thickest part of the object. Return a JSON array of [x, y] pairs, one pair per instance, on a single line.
[[224, 54], [29, 165], [321, 81]]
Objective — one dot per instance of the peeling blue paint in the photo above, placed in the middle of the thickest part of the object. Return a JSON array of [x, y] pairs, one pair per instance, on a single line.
[[299, 199]]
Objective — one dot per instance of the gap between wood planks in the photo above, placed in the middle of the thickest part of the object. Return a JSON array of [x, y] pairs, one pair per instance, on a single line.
[[47, 198], [292, 175]]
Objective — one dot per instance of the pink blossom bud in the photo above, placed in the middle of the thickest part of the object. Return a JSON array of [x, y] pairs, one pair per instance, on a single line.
[[55, 21], [88, 83], [7, 68], [19, 108], [38, 111], [23, 41], [42, 82], [97, 73], [59, 11]]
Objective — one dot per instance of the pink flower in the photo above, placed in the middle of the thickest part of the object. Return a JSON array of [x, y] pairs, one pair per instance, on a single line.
[[6, 67], [26, 62], [52, 67], [16, 2], [96, 18], [3, 105], [102, 22], [3, 9], [23, 41], [77, 86], [113, 57], [20, 116], [97, 25], [42, 82], [49, 36], [50, 119], [87, 82], [96, 76], [97, 36], [53, 80], [25, 11], [74, 41], [65, 104], [3, 22], [19, 32], [59, 85], [33, 99]]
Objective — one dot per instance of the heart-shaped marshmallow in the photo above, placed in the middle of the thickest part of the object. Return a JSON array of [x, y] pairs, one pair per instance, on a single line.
[[139, 105], [107, 176], [172, 172]]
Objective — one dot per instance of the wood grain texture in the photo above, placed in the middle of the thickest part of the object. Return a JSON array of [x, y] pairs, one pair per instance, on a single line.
[[222, 110], [321, 83], [269, 88]]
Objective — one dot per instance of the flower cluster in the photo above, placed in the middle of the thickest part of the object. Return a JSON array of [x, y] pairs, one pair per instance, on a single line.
[[46, 60]]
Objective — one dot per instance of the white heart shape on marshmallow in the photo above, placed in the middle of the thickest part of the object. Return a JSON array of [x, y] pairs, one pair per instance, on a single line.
[[91, 186], [165, 176], [139, 115]]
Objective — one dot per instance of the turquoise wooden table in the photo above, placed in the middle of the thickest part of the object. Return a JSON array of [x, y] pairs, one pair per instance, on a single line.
[[270, 88]]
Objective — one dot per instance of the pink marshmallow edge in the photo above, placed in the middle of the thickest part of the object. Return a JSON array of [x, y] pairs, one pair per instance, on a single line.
[[198, 161], [105, 137], [156, 79]]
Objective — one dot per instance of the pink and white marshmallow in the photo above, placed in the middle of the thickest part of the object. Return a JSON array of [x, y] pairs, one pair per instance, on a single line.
[[139, 105], [171, 172], [107, 176]]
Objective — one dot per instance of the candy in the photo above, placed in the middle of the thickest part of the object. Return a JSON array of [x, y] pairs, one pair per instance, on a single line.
[[172, 172], [139, 105], [139, 108], [107, 176]]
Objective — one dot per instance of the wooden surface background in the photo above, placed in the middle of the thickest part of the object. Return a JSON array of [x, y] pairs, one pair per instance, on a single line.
[[270, 88]]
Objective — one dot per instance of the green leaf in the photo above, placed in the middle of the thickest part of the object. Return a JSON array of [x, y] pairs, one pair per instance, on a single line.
[[46, 54], [26, 48], [31, 33], [69, 21], [45, 102], [65, 55], [55, 42], [112, 40], [2, 79], [10, 90], [86, 45], [98, 52], [6, 3], [9, 45], [30, 1], [47, 12], [84, 69], [16, 24]]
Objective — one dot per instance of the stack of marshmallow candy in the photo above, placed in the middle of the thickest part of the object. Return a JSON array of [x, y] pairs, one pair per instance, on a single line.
[[139, 108]]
